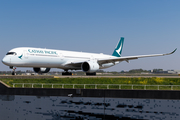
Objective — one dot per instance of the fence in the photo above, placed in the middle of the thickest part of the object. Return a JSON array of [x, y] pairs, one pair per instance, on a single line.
[[98, 86]]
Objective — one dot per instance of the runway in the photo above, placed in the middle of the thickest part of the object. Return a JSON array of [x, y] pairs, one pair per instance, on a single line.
[[115, 76], [74, 76]]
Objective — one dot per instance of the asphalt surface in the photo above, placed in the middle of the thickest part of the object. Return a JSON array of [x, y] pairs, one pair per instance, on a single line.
[[116, 76], [44, 76]]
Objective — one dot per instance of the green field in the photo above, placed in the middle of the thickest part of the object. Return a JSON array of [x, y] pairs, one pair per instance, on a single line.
[[116, 83]]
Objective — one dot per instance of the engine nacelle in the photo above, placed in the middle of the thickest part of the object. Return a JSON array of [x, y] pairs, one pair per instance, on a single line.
[[41, 70], [90, 66]]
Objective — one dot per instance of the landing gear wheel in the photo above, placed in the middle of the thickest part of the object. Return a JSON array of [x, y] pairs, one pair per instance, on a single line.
[[91, 74], [13, 73], [66, 73]]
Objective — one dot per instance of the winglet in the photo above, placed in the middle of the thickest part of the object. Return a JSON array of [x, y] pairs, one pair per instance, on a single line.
[[171, 52], [174, 51]]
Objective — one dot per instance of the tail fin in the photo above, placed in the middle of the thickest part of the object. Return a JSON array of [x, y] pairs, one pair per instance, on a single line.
[[118, 50]]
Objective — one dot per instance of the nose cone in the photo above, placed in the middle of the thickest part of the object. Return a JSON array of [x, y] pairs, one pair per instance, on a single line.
[[5, 61]]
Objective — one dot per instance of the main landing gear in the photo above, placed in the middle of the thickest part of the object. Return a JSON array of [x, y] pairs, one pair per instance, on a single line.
[[70, 73], [91, 74], [13, 72], [66, 73]]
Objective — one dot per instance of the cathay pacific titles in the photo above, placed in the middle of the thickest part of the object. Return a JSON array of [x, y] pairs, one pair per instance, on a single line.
[[42, 52]]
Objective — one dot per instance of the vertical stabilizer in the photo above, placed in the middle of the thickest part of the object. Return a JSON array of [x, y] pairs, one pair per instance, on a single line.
[[118, 50]]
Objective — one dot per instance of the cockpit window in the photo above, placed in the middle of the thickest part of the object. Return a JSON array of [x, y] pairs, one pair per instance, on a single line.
[[11, 53]]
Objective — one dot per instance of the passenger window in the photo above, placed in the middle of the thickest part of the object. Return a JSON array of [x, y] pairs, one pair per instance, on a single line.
[[11, 53]]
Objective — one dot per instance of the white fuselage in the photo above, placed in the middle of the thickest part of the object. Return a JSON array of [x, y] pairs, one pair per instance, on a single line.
[[49, 58], [43, 59]]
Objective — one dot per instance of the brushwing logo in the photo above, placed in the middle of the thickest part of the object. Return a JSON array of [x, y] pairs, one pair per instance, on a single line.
[[20, 57], [118, 50]]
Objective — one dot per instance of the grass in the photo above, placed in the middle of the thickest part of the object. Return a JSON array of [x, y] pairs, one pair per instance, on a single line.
[[114, 81]]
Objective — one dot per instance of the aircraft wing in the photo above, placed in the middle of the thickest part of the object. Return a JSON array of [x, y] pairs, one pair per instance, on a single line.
[[111, 60], [77, 64]]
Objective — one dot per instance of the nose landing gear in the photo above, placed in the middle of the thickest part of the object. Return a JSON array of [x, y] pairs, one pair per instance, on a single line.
[[13, 72]]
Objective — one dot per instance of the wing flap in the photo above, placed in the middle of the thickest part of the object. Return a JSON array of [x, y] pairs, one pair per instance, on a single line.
[[73, 64]]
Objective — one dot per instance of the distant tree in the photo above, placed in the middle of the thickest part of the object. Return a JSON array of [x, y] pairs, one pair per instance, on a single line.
[[122, 71], [137, 71], [157, 70]]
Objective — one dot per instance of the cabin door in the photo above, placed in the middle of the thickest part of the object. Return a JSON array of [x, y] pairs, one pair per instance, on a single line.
[[25, 54]]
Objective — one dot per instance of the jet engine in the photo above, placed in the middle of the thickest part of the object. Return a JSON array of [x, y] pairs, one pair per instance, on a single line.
[[90, 66], [41, 70]]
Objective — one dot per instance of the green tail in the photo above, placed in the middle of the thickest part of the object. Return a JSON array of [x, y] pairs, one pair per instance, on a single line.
[[118, 50]]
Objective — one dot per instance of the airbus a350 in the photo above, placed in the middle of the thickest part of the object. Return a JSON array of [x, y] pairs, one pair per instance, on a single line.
[[42, 60]]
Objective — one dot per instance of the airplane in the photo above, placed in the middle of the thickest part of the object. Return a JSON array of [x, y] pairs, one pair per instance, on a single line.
[[42, 60]]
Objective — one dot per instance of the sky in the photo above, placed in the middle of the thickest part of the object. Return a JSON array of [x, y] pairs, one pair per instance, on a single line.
[[148, 26]]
